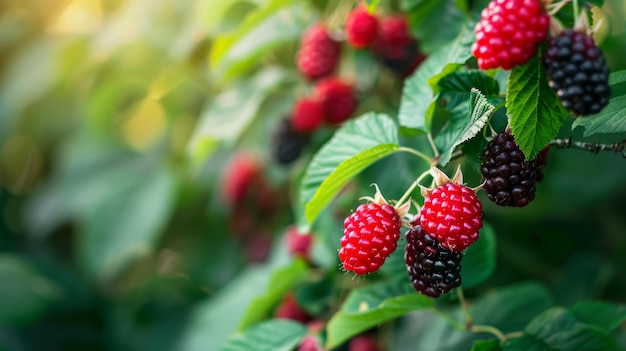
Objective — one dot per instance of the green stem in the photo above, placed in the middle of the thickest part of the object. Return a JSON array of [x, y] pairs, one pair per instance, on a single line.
[[417, 153], [407, 193], [576, 10], [465, 307], [513, 335], [489, 329], [432, 145]]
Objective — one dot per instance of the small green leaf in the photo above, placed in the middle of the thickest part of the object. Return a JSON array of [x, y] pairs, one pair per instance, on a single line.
[[420, 90], [272, 335], [367, 307], [479, 261], [465, 81], [355, 146], [229, 113], [612, 118], [282, 280], [486, 345], [535, 112], [279, 21], [558, 329], [467, 119], [371, 5], [604, 315]]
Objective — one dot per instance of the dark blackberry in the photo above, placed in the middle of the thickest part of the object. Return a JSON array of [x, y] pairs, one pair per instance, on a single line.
[[433, 270], [577, 72], [509, 179], [287, 143]]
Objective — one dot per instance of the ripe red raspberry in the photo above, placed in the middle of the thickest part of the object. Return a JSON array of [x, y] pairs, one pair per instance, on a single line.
[[311, 343], [307, 115], [508, 33], [363, 342], [319, 53], [361, 27], [338, 99], [290, 309], [370, 235], [452, 213], [299, 245], [395, 46], [240, 173]]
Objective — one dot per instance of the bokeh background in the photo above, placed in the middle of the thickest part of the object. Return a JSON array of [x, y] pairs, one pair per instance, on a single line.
[[117, 120]]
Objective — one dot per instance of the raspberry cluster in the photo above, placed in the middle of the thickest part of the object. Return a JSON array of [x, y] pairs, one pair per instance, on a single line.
[[577, 72], [509, 179], [508, 33], [433, 269], [370, 235]]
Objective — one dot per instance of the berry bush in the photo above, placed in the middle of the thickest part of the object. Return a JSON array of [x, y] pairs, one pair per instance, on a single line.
[[367, 175]]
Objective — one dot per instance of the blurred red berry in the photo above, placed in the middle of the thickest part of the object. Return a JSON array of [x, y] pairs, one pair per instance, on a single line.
[[361, 27], [363, 343], [396, 47], [307, 114], [310, 343], [299, 245], [318, 54], [289, 309], [240, 173], [338, 99]]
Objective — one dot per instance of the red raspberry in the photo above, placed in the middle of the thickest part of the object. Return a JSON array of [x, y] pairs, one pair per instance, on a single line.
[[290, 309], [452, 213], [307, 115], [311, 343], [338, 99], [299, 245], [240, 173], [361, 27], [363, 342], [508, 33], [370, 235], [319, 53], [396, 47]]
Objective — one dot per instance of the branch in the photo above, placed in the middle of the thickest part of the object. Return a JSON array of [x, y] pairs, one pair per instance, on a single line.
[[618, 147]]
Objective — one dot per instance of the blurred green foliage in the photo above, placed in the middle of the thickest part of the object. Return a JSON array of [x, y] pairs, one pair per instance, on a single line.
[[117, 118]]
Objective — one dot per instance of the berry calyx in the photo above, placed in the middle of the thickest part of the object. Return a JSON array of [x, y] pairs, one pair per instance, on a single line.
[[577, 72], [452, 212], [508, 33], [433, 269], [318, 54], [370, 235], [337, 98], [509, 179], [307, 114], [361, 27]]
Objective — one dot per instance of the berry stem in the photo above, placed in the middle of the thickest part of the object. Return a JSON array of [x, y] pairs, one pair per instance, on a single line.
[[456, 325], [407, 193], [432, 145], [469, 322], [417, 153], [576, 9], [489, 329], [619, 147]]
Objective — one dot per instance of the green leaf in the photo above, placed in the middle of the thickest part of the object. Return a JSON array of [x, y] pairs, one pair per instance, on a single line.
[[272, 335], [486, 345], [479, 260], [229, 113], [558, 329], [25, 294], [465, 81], [420, 90], [435, 23], [371, 5], [128, 224], [535, 112], [467, 120], [356, 145], [367, 307], [281, 281], [612, 118], [604, 315], [279, 21]]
